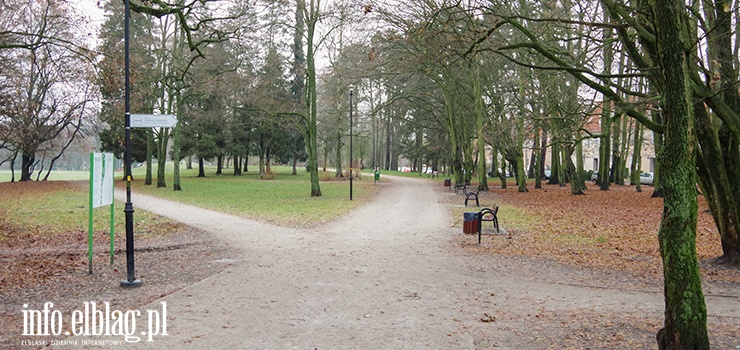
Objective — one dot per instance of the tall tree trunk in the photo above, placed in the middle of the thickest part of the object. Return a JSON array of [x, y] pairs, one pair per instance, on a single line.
[[494, 161], [563, 173], [615, 172], [577, 184], [312, 17], [448, 86], [262, 161], [162, 156], [624, 151], [554, 163], [201, 168], [326, 156], [716, 185], [482, 175], [176, 183], [237, 165], [388, 142], [521, 176], [537, 157], [338, 159], [658, 144], [605, 150], [149, 155], [580, 177], [267, 175], [176, 132], [12, 166], [502, 174], [543, 150], [606, 113], [636, 158], [719, 157], [685, 310], [26, 165]]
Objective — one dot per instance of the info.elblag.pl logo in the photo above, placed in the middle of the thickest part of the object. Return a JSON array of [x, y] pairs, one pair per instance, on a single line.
[[95, 320]]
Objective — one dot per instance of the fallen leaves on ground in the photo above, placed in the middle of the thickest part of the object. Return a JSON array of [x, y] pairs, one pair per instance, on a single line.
[[614, 229]]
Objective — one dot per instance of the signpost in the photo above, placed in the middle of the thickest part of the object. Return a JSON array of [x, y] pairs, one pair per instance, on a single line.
[[134, 121], [101, 194], [153, 120]]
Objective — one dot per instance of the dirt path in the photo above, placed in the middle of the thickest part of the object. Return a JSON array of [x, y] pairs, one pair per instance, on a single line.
[[385, 277]]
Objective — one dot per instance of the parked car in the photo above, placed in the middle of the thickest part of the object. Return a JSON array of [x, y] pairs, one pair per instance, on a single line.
[[646, 178], [547, 174], [595, 176]]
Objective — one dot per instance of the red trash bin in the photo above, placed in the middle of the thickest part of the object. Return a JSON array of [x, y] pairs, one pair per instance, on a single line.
[[470, 223]]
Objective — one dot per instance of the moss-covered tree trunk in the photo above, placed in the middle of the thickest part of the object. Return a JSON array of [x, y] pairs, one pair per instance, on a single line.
[[658, 143], [719, 159], [685, 310], [723, 200]]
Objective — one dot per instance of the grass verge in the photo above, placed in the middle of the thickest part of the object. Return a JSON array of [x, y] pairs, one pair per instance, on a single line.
[[283, 200]]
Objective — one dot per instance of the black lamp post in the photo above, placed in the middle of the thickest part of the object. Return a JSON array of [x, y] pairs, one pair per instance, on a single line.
[[131, 281], [350, 143]]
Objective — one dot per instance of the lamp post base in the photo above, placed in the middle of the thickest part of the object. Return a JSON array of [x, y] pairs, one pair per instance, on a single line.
[[131, 284]]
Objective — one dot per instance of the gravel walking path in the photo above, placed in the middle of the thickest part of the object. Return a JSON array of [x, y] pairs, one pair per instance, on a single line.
[[386, 277]]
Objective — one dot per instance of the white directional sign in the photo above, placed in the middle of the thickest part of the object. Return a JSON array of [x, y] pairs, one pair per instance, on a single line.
[[153, 120]]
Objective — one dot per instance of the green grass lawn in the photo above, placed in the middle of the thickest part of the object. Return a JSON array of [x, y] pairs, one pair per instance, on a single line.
[[284, 200], [56, 175], [56, 207]]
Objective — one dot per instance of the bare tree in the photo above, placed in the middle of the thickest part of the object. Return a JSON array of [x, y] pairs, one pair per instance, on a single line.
[[48, 87]]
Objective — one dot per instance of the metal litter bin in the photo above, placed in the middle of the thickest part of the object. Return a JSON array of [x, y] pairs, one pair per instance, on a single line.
[[470, 223]]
